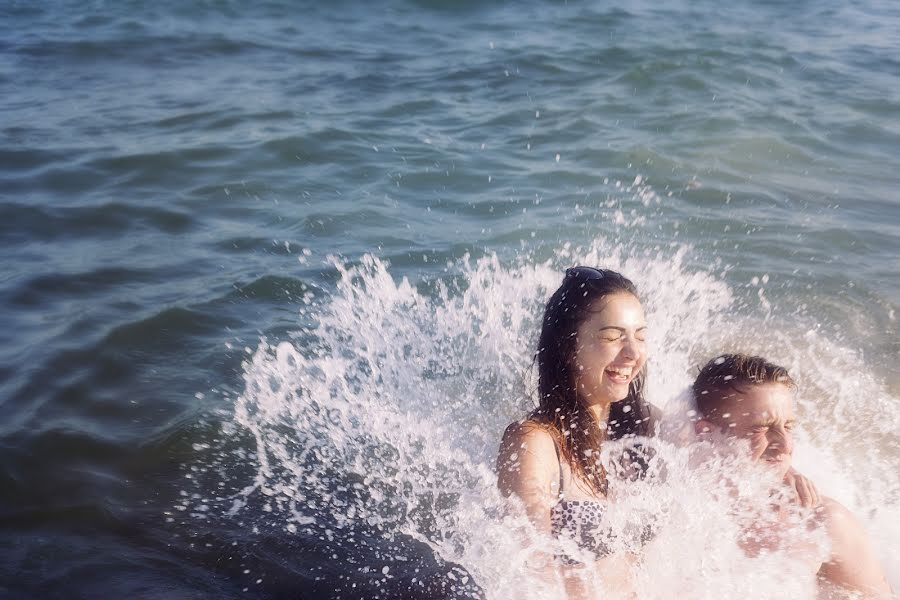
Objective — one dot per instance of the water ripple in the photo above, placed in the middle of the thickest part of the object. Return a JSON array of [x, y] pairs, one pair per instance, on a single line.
[[20, 222]]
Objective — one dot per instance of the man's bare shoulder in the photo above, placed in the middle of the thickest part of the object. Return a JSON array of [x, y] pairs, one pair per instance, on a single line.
[[852, 563], [844, 529], [835, 515]]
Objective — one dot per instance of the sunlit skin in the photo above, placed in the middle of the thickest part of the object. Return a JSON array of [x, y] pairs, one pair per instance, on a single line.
[[764, 416], [611, 351], [610, 354]]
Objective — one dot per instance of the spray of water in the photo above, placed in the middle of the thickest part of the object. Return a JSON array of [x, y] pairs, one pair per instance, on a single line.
[[388, 408]]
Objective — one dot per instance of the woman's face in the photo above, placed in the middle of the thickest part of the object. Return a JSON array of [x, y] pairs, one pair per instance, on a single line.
[[610, 350]]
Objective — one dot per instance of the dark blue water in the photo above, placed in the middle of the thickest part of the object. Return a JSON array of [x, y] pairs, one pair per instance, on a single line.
[[174, 175]]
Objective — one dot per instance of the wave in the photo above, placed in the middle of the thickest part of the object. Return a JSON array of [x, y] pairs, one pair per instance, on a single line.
[[386, 413]]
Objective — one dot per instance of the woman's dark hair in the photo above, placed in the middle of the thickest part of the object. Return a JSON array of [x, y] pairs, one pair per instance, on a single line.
[[579, 436]]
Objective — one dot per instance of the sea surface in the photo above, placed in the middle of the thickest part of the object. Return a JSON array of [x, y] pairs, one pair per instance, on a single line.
[[272, 271]]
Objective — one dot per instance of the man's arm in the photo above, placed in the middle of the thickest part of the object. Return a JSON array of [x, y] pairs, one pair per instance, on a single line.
[[852, 564]]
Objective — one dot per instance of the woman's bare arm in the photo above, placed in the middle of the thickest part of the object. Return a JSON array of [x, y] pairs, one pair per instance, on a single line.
[[527, 467]]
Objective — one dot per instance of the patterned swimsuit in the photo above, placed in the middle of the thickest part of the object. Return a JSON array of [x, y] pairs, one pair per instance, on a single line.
[[583, 522]]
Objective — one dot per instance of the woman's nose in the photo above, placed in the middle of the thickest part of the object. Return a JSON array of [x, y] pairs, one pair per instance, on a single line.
[[631, 348]]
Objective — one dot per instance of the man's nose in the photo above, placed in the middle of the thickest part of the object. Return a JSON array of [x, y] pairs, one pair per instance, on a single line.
[[781, 439]]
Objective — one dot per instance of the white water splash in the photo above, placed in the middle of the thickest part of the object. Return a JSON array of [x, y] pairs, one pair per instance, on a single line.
[[388, 411]]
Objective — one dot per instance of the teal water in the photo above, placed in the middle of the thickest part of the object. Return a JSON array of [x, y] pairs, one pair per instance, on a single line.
[[175, 177]]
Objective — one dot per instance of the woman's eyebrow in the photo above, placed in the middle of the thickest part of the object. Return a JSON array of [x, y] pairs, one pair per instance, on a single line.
[[617, 328]]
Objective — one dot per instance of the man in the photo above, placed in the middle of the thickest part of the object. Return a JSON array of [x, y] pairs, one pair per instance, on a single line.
[[749, 398]]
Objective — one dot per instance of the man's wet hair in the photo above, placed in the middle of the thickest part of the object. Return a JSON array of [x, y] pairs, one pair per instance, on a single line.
[[728, 374]]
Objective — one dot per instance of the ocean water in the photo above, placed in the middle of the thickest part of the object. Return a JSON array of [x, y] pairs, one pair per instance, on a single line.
[[273, 271]]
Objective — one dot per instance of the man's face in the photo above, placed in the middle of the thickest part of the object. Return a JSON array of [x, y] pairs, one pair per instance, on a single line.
[[764, 416]]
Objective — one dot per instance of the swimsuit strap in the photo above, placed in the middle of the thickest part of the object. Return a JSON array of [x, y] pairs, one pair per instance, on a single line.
[[563, 468]]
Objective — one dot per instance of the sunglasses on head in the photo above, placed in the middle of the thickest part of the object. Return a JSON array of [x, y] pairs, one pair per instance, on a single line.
[[586, 273]]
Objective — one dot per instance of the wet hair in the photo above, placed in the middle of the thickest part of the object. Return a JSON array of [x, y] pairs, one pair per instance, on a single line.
[[729, 373], [578, 436]]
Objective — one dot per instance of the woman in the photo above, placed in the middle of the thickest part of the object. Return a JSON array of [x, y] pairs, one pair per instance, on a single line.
[[591, 369]]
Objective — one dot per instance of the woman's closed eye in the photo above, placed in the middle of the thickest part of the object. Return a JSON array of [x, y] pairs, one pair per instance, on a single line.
[[610, 336], [617, 335]]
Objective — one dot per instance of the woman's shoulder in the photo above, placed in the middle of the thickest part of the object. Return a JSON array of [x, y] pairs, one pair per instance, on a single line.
[[529, 436], [532, 430], [527, 457]]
